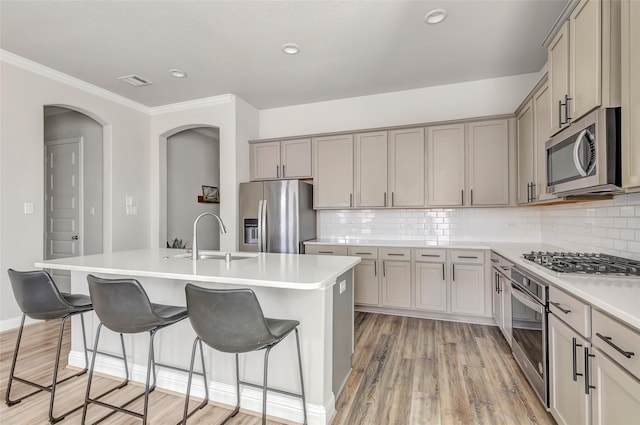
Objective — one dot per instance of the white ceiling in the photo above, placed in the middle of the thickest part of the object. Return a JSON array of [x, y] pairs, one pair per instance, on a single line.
[[348, 48]]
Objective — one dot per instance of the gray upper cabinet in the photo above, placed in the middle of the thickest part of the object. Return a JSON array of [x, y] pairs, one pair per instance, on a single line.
[[446, 164], [287, 159], [631, 94], [488, 163], [406, 161], [526, 149], [371, 169], [333, 171], [558, 54]]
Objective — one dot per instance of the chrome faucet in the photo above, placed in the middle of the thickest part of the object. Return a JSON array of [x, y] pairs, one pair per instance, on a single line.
[[194, 245]]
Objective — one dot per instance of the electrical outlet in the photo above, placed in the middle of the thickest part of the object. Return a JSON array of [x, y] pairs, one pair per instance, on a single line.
[[587, 227], [343, 286]]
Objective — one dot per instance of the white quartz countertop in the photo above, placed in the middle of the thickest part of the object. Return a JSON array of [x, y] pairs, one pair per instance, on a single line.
[[288, 271], [617, 296]]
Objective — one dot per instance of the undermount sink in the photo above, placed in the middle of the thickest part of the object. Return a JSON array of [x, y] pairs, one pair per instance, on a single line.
[[214, 256]]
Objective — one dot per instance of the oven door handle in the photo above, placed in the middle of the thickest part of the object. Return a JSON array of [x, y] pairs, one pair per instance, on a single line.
[[526, 299]]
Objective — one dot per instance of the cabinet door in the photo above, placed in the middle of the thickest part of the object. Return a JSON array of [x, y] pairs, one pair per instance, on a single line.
[[488, 163], [431, 287], [333, 171], [467, 289], [371, 169], [396, 284], [265, 161], [525, 154], [630, 93], [295, 158], [569, 404], [558, 55], [541, 132], [585, 40], [406, 168], [367, 288], [446, 165], [616, 396]]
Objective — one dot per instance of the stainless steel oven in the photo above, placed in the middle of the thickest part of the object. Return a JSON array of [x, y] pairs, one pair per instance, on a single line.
[[529, 329]]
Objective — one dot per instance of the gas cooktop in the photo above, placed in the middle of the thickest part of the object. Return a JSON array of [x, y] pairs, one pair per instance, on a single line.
[[576, 262]]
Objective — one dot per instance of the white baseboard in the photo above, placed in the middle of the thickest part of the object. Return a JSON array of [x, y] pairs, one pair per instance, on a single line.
[[420, 314], [14, 323], [278, 405]]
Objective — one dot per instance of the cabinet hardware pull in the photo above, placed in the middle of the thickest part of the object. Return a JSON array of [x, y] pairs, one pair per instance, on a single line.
[[375, 268], [471, 203], [385, 199], [393, 199], [560, 308], [384, 269], [443, 278], [277, 171], [505, 268], [608, 339], [363, 253], [462, 197], [283, 175], [351, 200], [587, 384], [453, 272], [325, 252], [575, 359], [528, 192], [533, 191], [468, 256], [430, 255], [495, 260], [560, 114], [395, 255], [495, 276], [499, 282], [566, 108]]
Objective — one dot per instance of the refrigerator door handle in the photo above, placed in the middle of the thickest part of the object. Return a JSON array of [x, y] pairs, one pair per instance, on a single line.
[[263, 219], [260, 226]]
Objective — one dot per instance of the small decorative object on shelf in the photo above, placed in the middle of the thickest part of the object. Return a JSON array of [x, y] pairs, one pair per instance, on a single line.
[[209, 194]]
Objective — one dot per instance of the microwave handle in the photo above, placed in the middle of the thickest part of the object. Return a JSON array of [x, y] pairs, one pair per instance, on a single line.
[[582, 138]]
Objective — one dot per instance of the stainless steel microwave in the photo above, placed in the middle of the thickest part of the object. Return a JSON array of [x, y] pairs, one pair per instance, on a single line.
[[585, 157]]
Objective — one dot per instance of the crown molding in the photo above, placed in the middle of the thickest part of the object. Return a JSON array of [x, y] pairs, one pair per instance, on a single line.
[[29, 65], [192, 104]]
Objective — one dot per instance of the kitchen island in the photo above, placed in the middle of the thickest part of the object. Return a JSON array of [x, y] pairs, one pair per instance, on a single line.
[[315, 290]]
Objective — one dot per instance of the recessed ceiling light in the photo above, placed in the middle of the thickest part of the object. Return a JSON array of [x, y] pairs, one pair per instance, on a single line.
[[178, 73], [435, 16], [290, 48]]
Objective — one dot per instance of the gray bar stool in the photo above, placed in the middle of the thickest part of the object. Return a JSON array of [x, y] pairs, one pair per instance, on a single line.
[[38, 297], [231, 321], [122, 305]]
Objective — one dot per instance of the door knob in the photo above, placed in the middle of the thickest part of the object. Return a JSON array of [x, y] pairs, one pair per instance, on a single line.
[[74, 238]]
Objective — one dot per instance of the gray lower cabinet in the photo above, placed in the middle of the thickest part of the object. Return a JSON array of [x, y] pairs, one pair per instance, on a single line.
[[431, 287], [367, 288], [396, 283], [568, 401]]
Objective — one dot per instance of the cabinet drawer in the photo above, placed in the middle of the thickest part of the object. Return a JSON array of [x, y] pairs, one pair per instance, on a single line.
[[609, 334], [571, 310], [364, 252], [398, 254], [325, 249], [465, 256], [431, 255]]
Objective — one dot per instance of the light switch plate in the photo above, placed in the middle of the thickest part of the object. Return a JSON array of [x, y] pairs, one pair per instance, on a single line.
[[28, 208]]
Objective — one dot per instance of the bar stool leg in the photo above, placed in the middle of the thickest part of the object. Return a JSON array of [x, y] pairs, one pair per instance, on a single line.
[[91, 368], [186, 413], [304, 404], [55, 373], [150, 366], [7, 397], [264, 387]]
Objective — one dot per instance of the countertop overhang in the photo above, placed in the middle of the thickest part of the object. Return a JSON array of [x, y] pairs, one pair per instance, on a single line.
[[287, 271]]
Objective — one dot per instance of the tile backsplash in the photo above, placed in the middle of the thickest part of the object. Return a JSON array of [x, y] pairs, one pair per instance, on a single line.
[[611, 226]]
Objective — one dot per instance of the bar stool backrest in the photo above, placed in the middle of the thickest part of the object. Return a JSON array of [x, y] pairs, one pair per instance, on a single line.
[[229, 320], [122, 305], [37, 295]]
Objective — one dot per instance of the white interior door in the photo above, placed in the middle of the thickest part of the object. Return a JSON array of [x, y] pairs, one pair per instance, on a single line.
[[63, 201]]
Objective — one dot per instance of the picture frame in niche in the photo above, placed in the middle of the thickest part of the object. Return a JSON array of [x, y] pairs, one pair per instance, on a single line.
[[210, 194]]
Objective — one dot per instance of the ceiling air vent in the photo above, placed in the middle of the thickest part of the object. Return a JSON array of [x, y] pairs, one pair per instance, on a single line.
[[134, 80]]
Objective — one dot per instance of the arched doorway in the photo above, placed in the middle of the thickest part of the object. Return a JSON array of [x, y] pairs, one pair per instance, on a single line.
[[74, 182], [192, 161]]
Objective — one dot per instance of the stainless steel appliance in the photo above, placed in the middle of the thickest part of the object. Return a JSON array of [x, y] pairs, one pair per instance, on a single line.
[[585, 158], [529, 297], [588, 263], [276, 216]]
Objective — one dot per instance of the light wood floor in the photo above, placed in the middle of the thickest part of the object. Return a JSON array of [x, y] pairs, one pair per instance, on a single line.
[[406, 371]]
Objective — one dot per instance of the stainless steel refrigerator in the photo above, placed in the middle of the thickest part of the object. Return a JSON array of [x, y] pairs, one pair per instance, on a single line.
[[276, 216]]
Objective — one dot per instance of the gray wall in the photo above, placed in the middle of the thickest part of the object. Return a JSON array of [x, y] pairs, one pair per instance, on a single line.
[[72, 124], [193, 160]]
